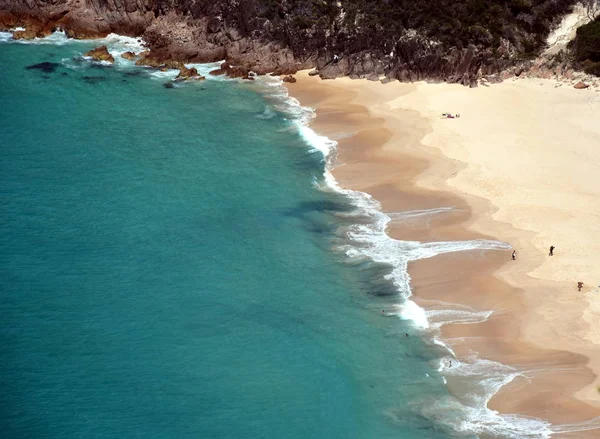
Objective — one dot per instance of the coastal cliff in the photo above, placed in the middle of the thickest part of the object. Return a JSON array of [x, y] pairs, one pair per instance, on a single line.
[[440, 40]]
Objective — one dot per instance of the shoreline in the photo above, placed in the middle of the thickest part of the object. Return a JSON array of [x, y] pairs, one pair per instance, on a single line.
[[390, 152], [415, 178]]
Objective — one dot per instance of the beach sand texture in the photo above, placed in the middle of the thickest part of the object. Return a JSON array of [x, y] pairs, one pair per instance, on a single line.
[[522, 165]]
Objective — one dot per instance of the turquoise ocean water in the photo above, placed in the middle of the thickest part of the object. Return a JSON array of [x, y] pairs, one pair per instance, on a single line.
[[171, 268]]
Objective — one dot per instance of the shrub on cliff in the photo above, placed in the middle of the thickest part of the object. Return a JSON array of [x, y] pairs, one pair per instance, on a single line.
[[586, 47]]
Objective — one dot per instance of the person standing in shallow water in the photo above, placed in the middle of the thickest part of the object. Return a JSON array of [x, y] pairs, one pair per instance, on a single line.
[[551, 251]]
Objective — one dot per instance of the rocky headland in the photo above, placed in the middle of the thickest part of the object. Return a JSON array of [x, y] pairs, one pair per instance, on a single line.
[[437, 40]]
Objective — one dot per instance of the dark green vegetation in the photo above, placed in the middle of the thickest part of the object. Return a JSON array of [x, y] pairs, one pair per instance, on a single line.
[[484, 23], [586, 47], [451, 40], [424, 37]]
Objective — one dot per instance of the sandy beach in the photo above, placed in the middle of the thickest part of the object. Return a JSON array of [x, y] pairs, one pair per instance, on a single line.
[[521, 165]]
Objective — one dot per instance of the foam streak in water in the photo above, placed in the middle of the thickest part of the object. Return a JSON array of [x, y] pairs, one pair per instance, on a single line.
[[410, 214]]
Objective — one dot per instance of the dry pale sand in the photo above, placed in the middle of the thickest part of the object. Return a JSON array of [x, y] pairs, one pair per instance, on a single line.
[[533, 150], [522, 165]]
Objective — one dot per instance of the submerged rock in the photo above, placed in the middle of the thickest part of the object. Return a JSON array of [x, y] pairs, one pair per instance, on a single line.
[[100, 54], [46, 67], [100, 66], [93, 79], [136, 73], [168, 85]]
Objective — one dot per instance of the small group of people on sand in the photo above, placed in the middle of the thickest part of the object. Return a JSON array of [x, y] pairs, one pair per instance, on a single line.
[[450, 115], [550, 253]]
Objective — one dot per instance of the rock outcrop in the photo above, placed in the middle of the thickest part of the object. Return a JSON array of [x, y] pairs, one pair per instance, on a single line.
[[191, 73], [130, 56], [455, 41], [149, 59], [232, 71], [29, 34], [100, 54]]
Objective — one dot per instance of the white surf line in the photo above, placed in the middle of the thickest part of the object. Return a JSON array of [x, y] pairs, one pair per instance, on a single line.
[[114, 42], [591, 425], [116, 45], [439, 318], [409, 214]]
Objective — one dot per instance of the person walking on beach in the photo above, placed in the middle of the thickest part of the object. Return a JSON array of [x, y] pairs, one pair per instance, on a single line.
[[579, 286], [551, 251], [514, 255]]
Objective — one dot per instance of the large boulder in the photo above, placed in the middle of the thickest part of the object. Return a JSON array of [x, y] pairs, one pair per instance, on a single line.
[[149, 59], [100, 54], [232, 71], [224, 68], [130, 56], [335, 69], [581, 85], [27, 34], [34, 28], [289, 78], [191, 73], [239, 72]]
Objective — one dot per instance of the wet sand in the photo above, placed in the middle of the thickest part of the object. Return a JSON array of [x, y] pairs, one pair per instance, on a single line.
[[388, 150]]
